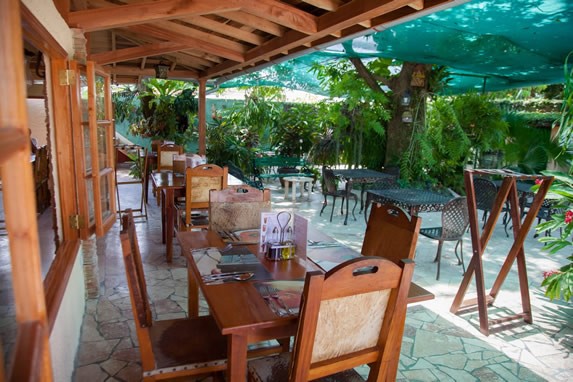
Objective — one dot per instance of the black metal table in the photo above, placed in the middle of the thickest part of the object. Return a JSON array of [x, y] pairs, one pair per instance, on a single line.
[[412, 200], [363, 177]]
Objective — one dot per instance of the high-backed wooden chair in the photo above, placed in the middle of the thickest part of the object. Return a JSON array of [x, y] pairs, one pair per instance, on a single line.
[[199, 180], [237, 207], [391, 233], [455, 222], [350, 316], [168, 348], [165, 154]]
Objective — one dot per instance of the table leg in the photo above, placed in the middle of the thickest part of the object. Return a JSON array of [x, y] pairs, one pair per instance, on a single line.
[[192, 293], [286, 188], [163, 212], [169, 216], [293, 197], [237, 358], [348, 191]]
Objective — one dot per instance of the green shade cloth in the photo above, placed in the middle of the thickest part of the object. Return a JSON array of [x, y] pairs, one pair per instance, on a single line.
[[488, 45]]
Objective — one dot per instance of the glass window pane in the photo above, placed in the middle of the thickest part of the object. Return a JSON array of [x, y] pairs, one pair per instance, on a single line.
[[105, 197], [87, 148], [91, 208], [84, 97], [102, 149], [100, 98]]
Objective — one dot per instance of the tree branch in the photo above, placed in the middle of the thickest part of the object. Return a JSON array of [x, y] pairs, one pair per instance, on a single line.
[[366, 74]]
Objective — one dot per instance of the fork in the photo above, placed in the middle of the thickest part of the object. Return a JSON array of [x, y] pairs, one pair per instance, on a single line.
[[267, 296], [275, 295]]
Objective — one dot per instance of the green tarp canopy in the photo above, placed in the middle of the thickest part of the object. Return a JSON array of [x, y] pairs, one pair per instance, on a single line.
[[488, 45]]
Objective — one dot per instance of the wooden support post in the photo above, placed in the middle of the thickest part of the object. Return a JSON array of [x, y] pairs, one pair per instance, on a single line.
[[202, 116], [508, 190]]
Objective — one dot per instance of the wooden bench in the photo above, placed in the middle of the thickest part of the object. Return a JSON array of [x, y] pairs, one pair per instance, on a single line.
[[267, 167]]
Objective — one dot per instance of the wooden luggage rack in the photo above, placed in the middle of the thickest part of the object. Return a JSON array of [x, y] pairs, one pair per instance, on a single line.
[[507, 191], [143, 158]]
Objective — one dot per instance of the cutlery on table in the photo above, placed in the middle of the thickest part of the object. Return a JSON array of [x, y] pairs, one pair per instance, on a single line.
[[275, 295], [266, 294]]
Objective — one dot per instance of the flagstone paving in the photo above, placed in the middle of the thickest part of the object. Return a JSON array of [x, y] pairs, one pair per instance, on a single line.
[[437, 345]]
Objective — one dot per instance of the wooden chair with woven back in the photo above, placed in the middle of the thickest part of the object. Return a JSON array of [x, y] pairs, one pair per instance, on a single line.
[[237, 208], [349, 317], [168, 348], [193, 211], [165, 154]]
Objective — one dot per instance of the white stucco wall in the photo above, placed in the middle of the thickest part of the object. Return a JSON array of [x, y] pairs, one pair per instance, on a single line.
[[65, 336], [48, 15]]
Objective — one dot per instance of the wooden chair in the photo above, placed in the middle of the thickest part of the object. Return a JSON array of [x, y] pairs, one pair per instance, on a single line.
[[330, 188], [199, 180], [350, 316], [455, 222], [165, 155], [169, 348], [237, 208], [391, 233]]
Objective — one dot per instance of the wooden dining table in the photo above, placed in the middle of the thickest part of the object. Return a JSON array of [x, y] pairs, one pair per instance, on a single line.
[[168, 184], [238, 307]]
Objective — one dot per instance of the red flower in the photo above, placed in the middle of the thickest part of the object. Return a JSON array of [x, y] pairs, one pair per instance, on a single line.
[[568, 217], [546, 274], [538, 181]]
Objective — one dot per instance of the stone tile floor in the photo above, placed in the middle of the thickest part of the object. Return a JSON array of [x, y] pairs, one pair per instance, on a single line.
[[437, 345]]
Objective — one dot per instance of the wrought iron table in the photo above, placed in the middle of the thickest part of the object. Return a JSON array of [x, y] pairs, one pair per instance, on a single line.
[[363, 177], [411, 199]]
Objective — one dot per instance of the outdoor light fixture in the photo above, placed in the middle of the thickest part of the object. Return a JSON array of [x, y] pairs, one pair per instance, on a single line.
[[406, 98], [161, 70], [407, 116]]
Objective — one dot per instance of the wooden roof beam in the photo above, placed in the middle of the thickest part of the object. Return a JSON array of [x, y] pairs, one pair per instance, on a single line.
[[327, 5], [346, 16], [225, 29], [256, 22], [190, 42], [282, 14], [136, 52], [117, 16], [135, 71]]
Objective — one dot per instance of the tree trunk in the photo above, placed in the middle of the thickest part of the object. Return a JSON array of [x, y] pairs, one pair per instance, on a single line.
[[398, 133]]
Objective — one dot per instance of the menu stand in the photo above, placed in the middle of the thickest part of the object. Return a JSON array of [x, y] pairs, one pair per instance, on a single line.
[[507, 191]]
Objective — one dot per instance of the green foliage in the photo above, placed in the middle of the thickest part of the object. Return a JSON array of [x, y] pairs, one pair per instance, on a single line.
[[295, 130], [481, 119], [528, 149], [125, 104], [165, 109], [356, 120], [559, 284], [258, 113], [226, 143], [439, 150]]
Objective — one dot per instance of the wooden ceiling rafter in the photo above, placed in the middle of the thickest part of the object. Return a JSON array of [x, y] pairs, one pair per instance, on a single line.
[[168, 35], [345, 16], [208, 39]]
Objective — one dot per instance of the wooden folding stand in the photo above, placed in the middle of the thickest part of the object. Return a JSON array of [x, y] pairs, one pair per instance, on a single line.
[[507, 191], [142, 157]]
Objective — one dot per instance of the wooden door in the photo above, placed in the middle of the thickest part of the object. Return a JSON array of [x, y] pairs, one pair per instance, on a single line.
[[94, 149]]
